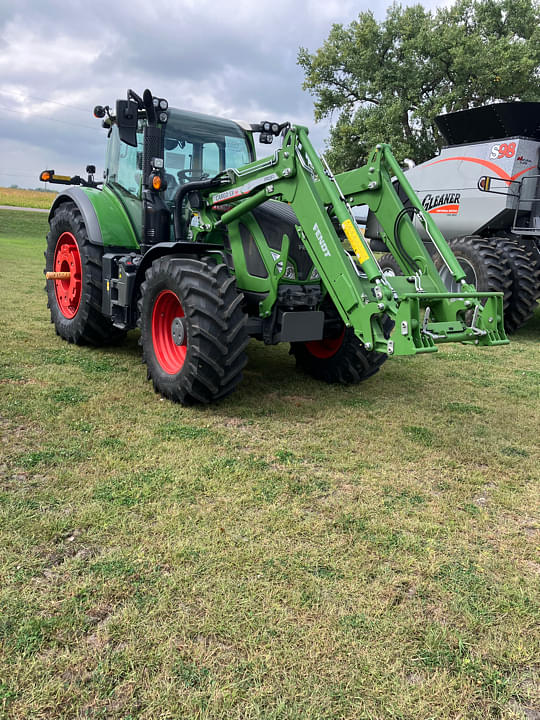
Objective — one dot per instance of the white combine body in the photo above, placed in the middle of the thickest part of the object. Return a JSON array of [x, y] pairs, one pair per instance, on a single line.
[[483, 191]]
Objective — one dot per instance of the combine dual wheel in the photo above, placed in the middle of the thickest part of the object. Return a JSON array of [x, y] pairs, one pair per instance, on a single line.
[[389, 265], [525, 281], [193, 330], [501, 264], [74, 291], [484, 266]]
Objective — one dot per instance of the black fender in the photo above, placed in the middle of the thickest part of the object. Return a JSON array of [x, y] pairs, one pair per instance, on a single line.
[[173, 249], [87, 210]]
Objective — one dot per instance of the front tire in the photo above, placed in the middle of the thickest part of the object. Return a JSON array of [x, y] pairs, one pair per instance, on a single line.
[[193, 330], [339, 359], [75, 304]]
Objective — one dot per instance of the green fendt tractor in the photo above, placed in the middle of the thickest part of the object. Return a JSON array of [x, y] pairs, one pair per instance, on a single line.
[[202, 246]]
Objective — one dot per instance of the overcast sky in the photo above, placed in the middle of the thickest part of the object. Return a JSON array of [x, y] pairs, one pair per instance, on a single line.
[[59, 58]]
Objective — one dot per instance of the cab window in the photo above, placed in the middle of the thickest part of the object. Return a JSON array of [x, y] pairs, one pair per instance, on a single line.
[[124, 164]]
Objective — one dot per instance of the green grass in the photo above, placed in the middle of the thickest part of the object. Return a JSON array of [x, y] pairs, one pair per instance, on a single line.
[[296, 551]]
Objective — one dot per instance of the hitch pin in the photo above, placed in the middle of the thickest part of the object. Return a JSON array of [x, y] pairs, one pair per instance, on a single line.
[[427, 332], [475, 329]]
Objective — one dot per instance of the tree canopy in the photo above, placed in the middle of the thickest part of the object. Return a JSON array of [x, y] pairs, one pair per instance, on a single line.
[[388, 80]]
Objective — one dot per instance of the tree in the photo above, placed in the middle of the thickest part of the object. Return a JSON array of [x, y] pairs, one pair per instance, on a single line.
[[387, 81]]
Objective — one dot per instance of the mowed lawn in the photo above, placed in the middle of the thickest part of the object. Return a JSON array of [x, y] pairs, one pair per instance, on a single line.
[[296, 551]]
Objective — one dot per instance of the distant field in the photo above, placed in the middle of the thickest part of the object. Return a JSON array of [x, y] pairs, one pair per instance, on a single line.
[[26, 198], [296, 552]]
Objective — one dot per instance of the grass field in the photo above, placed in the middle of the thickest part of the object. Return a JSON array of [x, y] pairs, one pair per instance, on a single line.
[[26, 198], [298, 551]]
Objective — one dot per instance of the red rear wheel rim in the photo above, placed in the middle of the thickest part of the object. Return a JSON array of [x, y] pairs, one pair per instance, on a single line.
[[169, 355], [327, 347], [67, 258]]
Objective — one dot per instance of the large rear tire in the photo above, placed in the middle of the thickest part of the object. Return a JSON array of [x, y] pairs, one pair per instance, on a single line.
[[193, 330], [75, 304], [485, 266], [525, 280]]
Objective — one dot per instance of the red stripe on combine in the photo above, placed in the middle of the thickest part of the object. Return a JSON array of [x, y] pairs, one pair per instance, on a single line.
[[491, 166]]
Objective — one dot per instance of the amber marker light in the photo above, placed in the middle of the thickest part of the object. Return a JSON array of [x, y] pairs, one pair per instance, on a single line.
[[45, 176], [156, 182]]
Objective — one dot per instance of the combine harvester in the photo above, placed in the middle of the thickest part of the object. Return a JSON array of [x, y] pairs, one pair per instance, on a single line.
[[203, 246], [483, 191]]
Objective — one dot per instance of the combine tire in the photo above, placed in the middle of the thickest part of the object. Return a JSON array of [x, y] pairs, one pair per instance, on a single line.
[[485, 267], [75, 303], [193, 330], [341, 359], [525, 277], [389, 265]]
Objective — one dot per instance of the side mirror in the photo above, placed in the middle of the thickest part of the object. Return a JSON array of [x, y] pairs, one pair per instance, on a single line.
[[126, 119]]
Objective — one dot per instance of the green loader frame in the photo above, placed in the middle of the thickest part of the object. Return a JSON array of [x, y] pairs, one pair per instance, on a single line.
[[360, 292]]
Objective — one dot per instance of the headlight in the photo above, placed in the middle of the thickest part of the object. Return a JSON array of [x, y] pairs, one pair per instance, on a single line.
[[290, 272]]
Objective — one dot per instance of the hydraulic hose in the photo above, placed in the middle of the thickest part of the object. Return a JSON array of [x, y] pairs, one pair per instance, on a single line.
[[179, 227], [410, 211]]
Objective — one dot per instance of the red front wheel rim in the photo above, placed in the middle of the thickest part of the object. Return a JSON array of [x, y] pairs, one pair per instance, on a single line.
[[67, 258], [169, 354], [327, 347]]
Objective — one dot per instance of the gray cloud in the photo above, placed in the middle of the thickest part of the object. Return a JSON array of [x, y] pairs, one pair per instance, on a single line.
[[58, 59]]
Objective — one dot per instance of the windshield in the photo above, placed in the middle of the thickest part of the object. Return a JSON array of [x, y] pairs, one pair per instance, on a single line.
[[198, 146]]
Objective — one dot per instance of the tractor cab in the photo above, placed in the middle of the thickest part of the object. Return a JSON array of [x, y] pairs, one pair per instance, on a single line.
[[193, 147], [197, 147]]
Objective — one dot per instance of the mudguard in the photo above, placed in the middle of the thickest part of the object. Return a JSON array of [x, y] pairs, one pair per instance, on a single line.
[[106, 220]]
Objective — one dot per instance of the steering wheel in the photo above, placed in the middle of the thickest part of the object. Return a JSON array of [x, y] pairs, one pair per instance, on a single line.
[[189, 175]]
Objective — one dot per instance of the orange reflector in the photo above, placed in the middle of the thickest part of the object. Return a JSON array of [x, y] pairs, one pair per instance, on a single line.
[[45, 175], [484, 183], [156, 182]]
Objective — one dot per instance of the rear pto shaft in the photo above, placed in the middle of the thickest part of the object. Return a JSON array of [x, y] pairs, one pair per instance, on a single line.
[[58, 275]]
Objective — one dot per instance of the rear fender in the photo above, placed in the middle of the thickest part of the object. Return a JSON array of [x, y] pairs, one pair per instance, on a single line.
[[105, 218]]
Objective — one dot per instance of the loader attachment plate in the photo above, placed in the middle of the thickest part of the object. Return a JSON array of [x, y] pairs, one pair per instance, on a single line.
[[464, 321], [425, 320]]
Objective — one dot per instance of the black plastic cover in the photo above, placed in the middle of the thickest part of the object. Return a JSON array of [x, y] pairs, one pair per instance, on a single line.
[[491, 122], [126, 119], [277, 219]]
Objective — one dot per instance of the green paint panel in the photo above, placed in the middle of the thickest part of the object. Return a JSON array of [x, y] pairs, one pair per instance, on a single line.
[[116, 229]]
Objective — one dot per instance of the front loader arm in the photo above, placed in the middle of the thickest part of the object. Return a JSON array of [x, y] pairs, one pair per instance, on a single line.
[[373, 186], [424, 313]]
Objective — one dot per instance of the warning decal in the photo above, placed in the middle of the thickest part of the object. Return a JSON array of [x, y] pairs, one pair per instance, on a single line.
[[243, 189]]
